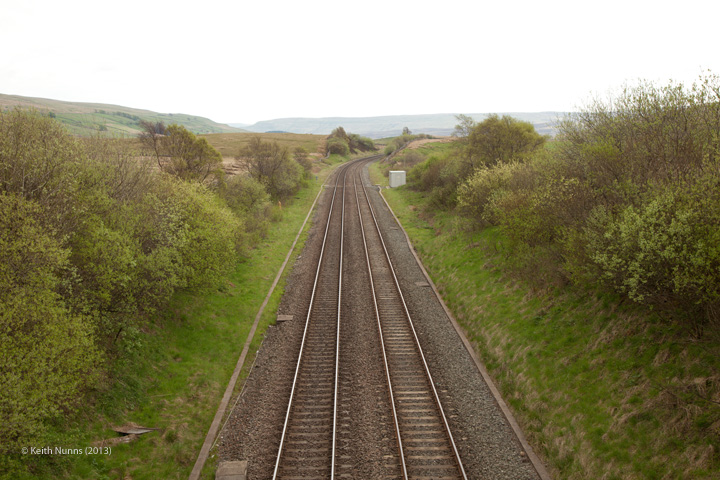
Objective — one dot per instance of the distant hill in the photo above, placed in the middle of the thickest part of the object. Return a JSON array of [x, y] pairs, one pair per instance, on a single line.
[[389, 126], [91, 118]]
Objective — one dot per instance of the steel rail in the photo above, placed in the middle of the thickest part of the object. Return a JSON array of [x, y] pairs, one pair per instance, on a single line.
[[382, 342], [337, 335], [305, 331], [417, 341]]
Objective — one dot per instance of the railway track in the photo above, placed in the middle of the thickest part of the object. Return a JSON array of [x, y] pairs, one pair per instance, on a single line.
[[316, 435]]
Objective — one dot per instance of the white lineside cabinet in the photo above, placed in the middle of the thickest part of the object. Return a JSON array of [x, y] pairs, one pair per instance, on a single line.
[[397, 178]]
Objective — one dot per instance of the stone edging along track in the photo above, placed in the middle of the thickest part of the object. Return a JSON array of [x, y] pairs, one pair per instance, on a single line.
[[537, 463]]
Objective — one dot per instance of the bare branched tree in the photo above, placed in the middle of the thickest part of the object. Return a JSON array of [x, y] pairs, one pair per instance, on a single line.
[[151, 136]]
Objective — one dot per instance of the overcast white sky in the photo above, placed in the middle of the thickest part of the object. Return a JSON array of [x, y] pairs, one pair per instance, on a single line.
[[242, 61]]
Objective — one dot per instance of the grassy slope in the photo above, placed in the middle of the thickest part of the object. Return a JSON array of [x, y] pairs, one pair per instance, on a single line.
[[181, 371], [399, 162], [229, 144], [86, 118], [602, 390]]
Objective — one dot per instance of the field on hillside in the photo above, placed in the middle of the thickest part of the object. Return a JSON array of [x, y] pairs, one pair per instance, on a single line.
[[230, 144], [86, 119]]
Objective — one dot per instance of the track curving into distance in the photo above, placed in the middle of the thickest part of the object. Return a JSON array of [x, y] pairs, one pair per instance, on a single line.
[[319, 411]]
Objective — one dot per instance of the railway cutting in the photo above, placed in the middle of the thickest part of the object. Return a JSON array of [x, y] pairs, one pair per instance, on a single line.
[[367, 378]]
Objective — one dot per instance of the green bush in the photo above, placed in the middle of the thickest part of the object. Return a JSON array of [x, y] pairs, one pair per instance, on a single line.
[[180, 152], [495, 141], [43, 164], [189, 157], [499, 140], [337, 146], [340, 142], [362, 144], [479, 197], [665, 252], [301, 156], [536, 216], [47, 353], [102, 275], [648, 133], [272, 166], [189, 238], [248, 199], [212, 238], [627, 195], [92, 244]]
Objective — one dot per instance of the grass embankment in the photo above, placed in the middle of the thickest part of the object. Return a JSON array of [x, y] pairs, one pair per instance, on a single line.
[[178, 376], [412, 155], [602, 390]]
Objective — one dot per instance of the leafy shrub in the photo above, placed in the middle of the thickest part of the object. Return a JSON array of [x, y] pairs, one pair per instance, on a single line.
[[43, 164], [626, 194], [271, 165], [47, 353], [212, 238], [536, 216], [337, 146], [665, 252], [362, 144], [495, 141], [648, 133], [92, 243], [102, 273], [189, 157], [340, 142], [301, 156], [248, 199], [437, 175], [478, 197], [501, 139], [188, 237], [179, 152]]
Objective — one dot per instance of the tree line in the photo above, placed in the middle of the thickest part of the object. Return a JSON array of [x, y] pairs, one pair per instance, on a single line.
[[627, 196], [94, 243]]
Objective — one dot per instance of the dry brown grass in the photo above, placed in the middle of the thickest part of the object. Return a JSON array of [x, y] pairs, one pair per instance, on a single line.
[[424, 141], [230, 144]]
